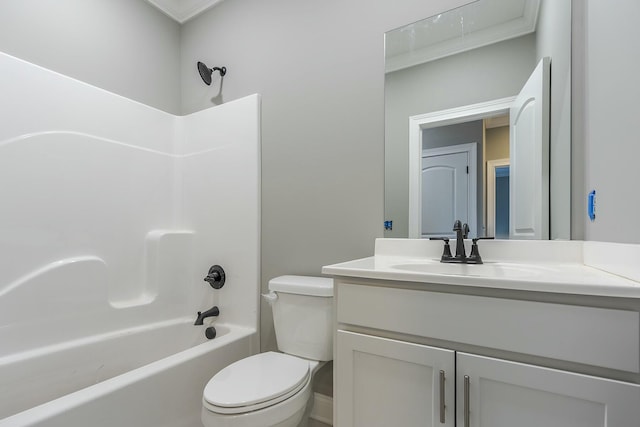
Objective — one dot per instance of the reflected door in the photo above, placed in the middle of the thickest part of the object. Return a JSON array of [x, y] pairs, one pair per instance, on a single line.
[[529, 157], [445, 193]]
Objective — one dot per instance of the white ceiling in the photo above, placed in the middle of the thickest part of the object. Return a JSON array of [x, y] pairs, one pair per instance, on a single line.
[[183, 10]]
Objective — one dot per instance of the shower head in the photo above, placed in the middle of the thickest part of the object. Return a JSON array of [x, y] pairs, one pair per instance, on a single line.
[[205, 72]]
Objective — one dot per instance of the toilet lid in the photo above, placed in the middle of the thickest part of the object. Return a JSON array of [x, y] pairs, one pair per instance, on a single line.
[[255, 380]]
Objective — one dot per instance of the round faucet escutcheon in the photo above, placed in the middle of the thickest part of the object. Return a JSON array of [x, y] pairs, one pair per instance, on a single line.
[[216, 277]]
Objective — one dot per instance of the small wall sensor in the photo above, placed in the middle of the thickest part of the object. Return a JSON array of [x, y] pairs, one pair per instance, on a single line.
[[591, 205]]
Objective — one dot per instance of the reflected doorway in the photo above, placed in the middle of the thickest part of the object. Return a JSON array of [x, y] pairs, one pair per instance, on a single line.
[[451, 127], [498, 198]]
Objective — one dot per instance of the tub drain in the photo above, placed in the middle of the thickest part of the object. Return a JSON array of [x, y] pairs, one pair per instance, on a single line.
[[210, 332]]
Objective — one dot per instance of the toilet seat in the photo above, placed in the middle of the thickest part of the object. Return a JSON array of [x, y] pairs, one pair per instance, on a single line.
[[256, 382]]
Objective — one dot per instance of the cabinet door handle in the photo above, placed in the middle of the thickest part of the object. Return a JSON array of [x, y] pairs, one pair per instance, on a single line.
[[466, 401], [442, 402]]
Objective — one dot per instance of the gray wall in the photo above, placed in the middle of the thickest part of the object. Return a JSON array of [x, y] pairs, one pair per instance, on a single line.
[[461, 133], [553, 39], [610, 120], [124, 46], [497, 71], [319, 68]]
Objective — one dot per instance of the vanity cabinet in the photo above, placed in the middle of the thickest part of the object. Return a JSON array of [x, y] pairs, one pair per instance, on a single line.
[[501, 393], [402, 359], [384, 382]]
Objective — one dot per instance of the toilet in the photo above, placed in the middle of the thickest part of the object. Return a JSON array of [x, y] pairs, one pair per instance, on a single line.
[[273, 389]]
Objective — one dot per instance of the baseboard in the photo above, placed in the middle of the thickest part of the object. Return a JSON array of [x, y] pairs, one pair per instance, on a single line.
[[322, 408]]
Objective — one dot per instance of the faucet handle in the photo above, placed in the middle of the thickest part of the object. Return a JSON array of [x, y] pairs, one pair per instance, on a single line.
[[465, 230], [474, 257], [446, 252], [216, 277]]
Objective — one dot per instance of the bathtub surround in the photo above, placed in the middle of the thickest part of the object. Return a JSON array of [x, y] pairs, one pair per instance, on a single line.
[[112, 214]]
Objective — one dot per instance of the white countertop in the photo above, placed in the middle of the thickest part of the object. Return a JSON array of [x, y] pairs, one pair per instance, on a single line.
[[542, 266]]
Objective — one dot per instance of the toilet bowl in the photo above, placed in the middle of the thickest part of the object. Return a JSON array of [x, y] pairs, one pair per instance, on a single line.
[[268, 389], [273, 389]]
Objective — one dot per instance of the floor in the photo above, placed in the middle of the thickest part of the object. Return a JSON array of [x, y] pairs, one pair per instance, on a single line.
[[314, 423]]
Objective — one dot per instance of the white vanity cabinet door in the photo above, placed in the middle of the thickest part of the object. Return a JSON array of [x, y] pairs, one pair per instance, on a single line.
[[506, 394], [382, 382]]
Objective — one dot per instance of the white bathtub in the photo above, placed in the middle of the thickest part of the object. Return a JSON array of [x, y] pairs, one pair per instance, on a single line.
[[146, 376]]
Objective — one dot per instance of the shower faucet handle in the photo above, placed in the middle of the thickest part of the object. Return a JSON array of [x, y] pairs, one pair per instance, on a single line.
[[216, 277]]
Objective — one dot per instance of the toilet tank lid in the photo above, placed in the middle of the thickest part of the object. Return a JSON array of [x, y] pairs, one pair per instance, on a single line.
[[302, 285]]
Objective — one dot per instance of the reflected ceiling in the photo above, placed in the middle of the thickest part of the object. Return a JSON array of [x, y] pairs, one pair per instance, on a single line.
[[474, 25], [183, 10]]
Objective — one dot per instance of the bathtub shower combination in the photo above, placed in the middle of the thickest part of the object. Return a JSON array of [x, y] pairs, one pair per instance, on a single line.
[[112, 214]]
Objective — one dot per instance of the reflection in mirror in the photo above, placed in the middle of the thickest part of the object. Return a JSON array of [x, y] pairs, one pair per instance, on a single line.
[[453, 157], [453, 78]]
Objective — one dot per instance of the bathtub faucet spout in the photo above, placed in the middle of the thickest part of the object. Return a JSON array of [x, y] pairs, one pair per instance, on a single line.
[[213, 311]]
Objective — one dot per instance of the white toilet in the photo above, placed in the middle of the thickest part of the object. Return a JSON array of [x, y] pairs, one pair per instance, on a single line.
[[274, 389]]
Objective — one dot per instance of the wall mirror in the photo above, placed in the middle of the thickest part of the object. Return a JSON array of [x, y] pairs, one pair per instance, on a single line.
[[478, 121]]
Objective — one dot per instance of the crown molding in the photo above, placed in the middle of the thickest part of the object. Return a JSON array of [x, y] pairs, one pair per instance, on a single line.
[[183, 10]]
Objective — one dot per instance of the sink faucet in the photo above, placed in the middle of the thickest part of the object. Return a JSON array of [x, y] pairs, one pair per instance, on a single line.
[[461, 233], [213, 311]]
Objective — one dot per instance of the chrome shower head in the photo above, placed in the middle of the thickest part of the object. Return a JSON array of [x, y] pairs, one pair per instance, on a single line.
[[205, 72]]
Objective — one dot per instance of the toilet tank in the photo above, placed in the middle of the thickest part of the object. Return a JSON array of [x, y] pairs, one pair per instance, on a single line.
[[303, 315]]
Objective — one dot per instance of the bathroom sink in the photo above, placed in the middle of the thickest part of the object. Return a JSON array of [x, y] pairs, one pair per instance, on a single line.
[[488, 269], [567, 267]]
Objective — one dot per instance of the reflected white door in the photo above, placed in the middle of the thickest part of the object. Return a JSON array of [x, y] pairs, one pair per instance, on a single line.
[[445, 193], [529, 157]]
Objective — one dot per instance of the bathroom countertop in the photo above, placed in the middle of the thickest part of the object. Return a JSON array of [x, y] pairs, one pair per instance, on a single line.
[[552, 267]]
